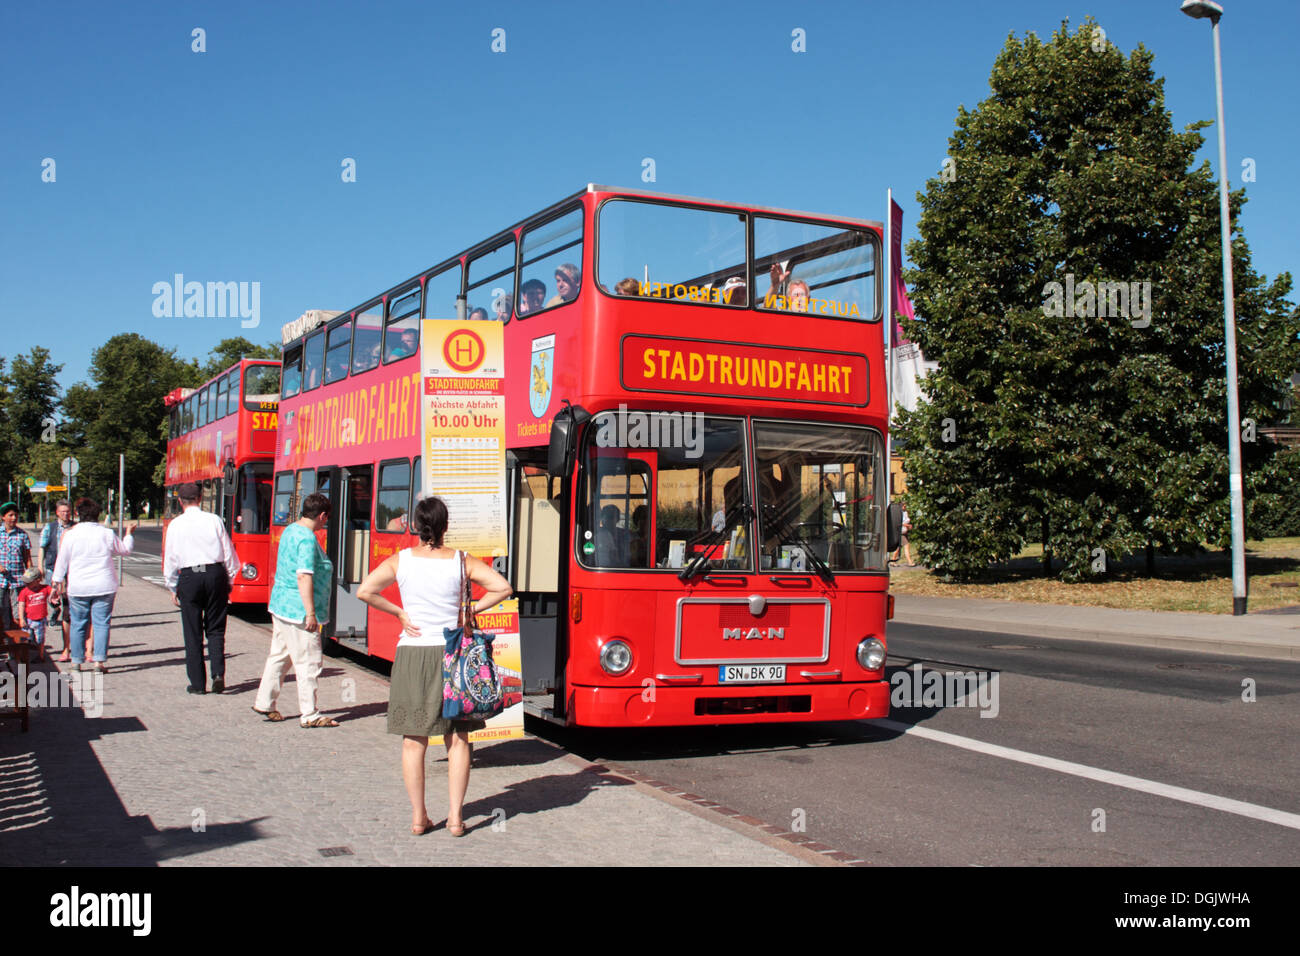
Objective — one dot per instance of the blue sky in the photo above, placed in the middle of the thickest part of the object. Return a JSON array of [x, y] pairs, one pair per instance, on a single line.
[[225, 165]]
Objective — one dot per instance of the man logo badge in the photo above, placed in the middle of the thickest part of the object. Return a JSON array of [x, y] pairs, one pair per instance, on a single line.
[[753, 634]]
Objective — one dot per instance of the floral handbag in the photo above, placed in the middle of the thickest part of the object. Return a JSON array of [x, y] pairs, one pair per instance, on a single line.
[[471, 687]]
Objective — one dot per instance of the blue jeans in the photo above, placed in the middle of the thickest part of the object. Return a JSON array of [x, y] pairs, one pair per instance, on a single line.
[[98, 610], [36, 630]]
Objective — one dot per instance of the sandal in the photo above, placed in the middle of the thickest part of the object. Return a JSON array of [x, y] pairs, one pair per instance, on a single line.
[[456, 829], [272, 715], [322, 721], [66, 658], [421, 830]]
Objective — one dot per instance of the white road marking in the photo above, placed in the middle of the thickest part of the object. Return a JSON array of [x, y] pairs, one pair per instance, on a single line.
[[1197, 797]]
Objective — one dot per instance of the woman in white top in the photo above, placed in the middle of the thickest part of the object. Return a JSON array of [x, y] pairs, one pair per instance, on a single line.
[[85, 563], [429, 582]]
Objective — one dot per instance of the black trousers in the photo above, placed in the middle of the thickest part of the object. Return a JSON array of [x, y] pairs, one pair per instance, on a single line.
[[203, 596]]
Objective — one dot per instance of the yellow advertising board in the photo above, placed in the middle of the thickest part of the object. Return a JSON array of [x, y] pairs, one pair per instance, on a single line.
[[463, 460]]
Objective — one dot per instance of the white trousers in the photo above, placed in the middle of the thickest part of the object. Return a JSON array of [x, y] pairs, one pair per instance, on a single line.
[[291, 645]]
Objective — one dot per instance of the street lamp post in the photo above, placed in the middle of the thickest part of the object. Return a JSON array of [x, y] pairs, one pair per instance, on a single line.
[[1205, 9]]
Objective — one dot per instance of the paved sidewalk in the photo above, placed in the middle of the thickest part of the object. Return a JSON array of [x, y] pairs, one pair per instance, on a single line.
[[1273, 636], [163, 777]]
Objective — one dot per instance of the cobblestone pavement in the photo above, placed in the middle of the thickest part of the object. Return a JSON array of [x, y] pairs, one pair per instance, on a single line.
[[163, 777]]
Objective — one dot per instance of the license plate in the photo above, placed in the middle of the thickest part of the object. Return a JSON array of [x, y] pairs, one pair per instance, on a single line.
[[751, 673]]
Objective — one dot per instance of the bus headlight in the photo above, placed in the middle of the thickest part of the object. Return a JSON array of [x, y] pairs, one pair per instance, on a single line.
[[871, 654], [248, 572], [615, 658]]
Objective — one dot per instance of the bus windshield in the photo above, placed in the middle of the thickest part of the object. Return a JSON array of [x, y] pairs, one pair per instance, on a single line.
[[820, 496], [252, 512], [663, 489], [261, 386]]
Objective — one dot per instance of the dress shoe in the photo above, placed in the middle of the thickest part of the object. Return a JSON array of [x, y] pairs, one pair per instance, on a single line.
[[195, 690], [218, 685]]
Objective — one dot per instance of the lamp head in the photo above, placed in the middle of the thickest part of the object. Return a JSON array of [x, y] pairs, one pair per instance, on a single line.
[[1200, 9]]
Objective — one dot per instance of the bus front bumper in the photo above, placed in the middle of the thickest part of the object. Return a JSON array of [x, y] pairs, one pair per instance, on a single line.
[[661, 706]]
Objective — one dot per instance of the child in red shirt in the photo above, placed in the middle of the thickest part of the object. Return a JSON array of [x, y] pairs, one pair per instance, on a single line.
[[33, 608]]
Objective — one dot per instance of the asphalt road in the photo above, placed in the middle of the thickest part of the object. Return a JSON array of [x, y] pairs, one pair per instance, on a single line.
[[1097, 755], [884, 792]]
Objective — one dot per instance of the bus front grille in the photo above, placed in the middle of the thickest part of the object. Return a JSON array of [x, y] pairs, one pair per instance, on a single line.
[[722, 706]]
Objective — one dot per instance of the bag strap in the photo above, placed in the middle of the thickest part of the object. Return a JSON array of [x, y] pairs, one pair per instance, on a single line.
[[467, 617]]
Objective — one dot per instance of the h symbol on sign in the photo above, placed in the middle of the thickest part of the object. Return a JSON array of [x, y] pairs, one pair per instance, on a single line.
[[465, 349]]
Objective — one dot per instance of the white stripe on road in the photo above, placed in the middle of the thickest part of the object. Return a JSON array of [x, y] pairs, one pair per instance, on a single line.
[[1197, 797]]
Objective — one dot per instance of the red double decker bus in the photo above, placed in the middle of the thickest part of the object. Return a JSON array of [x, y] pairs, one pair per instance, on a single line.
[[222, 437], [696, 473]]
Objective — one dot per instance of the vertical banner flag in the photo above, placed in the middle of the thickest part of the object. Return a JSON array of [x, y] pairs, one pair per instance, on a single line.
[[909, 365], [463, 452]]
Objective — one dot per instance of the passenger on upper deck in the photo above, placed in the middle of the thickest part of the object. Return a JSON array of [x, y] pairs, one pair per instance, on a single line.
[[407, 343], [735, 292], [533, 294], [501, 304], [628, 286], [337, 365], [478, 315], [796, 291], [797, 295], [567, 279]]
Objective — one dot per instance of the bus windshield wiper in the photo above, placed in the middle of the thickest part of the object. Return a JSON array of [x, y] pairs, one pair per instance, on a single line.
[[786, 533], [741, 513]]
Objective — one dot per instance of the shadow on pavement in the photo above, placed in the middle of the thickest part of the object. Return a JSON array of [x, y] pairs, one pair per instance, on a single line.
[[58, 807]]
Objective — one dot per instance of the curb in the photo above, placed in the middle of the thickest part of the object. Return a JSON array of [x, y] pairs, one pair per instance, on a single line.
[[798, 845], [1258, 647]]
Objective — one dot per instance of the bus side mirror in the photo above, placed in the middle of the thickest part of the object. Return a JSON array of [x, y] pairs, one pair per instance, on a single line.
[[564, 440], [894, 527]]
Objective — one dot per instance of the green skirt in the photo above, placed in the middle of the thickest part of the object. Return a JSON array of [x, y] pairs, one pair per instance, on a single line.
[[415, 695]]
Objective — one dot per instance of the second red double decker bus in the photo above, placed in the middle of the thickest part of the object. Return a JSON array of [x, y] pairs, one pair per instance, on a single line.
[[695, 429], [222, 437]]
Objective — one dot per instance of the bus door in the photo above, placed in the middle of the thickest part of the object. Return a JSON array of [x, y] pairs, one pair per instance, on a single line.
[[227, 486], [350, 550]]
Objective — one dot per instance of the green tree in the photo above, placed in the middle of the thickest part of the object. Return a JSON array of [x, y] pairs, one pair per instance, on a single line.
[[229, 351], [34, 396], [29, 404], [10, 445], [120, 413], [1054, 417]]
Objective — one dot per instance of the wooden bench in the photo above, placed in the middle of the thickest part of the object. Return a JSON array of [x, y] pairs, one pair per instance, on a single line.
[[15, 654]]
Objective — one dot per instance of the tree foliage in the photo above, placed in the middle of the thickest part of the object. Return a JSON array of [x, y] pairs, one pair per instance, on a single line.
[[119, 414], [29, 402], [1092, 432], [229, 351]]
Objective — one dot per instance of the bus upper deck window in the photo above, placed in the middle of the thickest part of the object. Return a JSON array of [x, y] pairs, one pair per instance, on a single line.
[[549, 272], [292, 372], [338, 350], [814, 268], [441, 291], [686, 254], [402, 332], [313, 360], [365, 339], [491, 282]]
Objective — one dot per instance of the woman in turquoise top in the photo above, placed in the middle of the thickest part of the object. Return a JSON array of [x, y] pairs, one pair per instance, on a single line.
[[299, 607]]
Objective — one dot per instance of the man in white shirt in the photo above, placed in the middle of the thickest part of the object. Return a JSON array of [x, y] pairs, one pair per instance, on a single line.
[[199, 567]]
